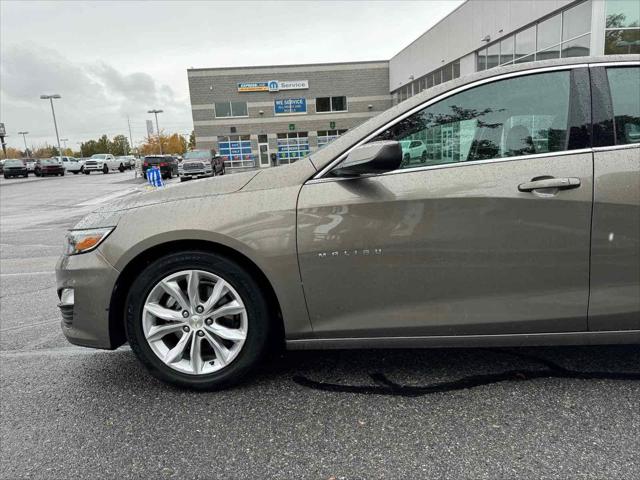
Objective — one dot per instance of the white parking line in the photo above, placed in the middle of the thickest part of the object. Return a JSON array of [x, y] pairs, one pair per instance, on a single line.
[[25, 273], [106, 198]]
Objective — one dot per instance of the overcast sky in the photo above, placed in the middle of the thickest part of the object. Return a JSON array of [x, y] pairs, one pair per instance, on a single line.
[[112, 59]]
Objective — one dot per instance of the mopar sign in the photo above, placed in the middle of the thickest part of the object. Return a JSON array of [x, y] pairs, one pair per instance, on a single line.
[[290, 105], [273, 86]]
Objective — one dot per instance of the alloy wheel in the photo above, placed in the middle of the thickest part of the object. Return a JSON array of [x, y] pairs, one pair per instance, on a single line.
[[195, 322]]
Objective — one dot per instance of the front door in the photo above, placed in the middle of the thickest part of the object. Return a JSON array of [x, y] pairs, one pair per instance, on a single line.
[[491, 236], [263, 149]]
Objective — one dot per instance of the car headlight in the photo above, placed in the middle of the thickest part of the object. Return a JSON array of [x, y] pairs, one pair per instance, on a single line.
[[83, 241]]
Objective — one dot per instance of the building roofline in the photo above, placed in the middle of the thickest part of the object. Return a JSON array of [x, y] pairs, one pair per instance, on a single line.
[[430, 28], [255, 67]]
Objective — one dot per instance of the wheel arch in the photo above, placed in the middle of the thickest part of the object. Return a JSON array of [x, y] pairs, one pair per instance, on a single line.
[[117, 305]]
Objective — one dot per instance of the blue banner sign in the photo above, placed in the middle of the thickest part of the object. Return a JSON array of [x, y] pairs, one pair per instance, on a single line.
[[290, 105]]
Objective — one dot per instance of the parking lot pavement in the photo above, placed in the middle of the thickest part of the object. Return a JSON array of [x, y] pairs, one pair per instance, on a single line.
[[68, 412]]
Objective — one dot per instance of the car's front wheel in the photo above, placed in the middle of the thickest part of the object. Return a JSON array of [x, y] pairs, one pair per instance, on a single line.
[[197, 320], [105, 169]]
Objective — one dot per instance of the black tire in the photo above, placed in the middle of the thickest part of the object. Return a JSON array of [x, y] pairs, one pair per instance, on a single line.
[[26, 175], [62, 174], [6, 176], [121, 168], [255, 345], [407, 159], [105, 169], [423, 157], [169, 175], [76, 172], [87, 172]]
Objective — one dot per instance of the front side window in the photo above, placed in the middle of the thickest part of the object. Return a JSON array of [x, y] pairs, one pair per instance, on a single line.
[[508, 118], [625, 84]]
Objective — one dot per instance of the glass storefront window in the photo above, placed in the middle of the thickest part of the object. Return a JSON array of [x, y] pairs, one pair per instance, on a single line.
[[623, 13], [622, 41], [525, 42], [482, 60], [549, 32], [493, 55], [236, 150], [622, 33], [506, 50], [576, 21], [327, 136], [332, 104], [230, 109], [223, 109], [551, 53], [292, 146], [576, 48]]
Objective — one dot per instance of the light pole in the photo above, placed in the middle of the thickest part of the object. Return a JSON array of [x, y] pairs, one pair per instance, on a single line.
[[55, 124], [24, 137], [156, 112], [64, 141]]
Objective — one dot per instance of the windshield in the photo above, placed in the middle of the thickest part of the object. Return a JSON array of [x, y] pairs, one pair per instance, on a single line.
[[49, 162], [13, 163], [200, 154], [99, 156]]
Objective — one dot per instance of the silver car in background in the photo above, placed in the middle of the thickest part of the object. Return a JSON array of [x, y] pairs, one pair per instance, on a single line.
[[520, 227]]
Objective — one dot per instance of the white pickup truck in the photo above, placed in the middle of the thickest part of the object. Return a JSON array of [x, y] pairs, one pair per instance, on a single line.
[[103, 162]]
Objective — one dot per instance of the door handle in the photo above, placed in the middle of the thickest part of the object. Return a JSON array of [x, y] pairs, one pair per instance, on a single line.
[[559, 183]]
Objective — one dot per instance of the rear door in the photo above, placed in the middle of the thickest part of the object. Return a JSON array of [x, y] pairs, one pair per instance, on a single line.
[[491, 235], [614, 303]]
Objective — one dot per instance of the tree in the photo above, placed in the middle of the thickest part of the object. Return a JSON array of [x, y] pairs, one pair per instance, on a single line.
[[173, 144], [119, 145], [103, 144], [11, 153], [192, 140]]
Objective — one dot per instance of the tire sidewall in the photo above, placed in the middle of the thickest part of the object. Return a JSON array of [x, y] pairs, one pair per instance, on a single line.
[[257, 317]]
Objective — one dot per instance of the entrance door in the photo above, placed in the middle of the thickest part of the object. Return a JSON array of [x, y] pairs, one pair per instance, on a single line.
[[265, 160]]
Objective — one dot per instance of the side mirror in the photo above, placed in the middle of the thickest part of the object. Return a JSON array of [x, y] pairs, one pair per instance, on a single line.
[[374, 157]]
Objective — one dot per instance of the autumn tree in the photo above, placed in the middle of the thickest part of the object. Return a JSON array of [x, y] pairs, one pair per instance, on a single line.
[[171, 144], [11, 153]]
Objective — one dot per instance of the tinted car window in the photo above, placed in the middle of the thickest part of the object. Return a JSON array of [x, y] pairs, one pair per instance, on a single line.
[[507, 118], [13, 163], [625, 85]]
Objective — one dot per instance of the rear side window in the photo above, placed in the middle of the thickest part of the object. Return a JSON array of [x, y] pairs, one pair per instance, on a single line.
[[507, 118], [624, 83]]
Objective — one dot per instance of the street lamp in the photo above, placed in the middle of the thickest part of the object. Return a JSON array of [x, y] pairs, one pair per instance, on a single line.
[[156, 112], [24, 137], [64, 141], [55, 124]]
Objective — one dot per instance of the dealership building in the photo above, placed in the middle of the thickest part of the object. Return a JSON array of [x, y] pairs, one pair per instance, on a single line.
[[272, 115]]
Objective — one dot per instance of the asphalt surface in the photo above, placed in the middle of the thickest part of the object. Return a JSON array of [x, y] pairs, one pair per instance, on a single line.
[[68, 412]]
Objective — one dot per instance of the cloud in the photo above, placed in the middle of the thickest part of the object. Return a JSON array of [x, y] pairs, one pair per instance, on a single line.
[[96, 97]]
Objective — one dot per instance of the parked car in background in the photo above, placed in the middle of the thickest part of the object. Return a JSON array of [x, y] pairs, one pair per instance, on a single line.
[[103, 162], [216, 161], [2, 165], [195, 168], [48, 166], [14, 167], [30, 163], [70, 164], [412, 149], [129, 161], [167, 164]]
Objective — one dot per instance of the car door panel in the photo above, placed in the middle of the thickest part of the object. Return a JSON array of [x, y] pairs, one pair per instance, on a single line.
[[444, 251], [615, 261]]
